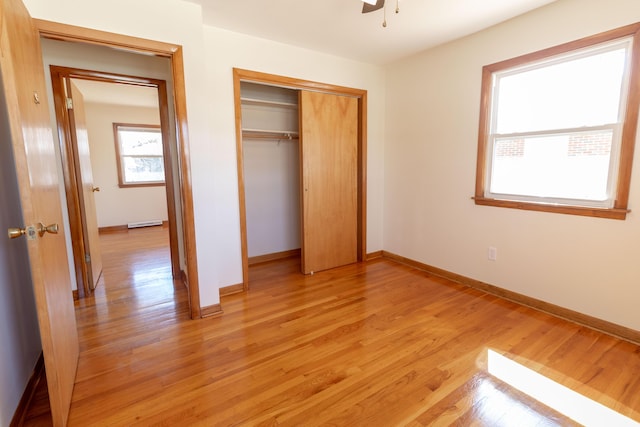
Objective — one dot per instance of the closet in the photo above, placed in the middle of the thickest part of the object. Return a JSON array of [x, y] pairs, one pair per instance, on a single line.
[[301, 170], [270, 147]]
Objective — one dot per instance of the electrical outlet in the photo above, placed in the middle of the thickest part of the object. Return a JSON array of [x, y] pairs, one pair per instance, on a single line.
[[492, 253]]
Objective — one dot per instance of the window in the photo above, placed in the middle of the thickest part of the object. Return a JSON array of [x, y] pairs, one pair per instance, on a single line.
[[139, 155], [558, 127]]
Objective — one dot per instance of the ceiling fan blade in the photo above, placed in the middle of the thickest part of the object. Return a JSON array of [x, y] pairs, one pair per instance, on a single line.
[[367, 7]]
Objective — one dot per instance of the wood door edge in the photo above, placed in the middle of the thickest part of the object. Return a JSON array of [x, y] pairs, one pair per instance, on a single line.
[[36, 161], [244, 245], [68, 152], [72, 116]]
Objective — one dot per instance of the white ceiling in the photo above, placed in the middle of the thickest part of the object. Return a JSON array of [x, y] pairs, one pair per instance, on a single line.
[[338, 27], [117, 94]]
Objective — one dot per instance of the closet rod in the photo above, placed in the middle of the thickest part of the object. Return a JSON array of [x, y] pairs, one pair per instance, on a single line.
[[269, 135]]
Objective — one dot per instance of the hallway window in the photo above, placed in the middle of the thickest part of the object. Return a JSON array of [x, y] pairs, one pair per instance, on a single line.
[[139, 151]]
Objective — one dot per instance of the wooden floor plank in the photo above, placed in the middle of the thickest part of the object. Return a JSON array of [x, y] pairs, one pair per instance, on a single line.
[[370, 344]]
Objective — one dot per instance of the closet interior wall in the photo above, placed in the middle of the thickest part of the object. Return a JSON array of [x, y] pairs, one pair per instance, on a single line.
[[271, 160]]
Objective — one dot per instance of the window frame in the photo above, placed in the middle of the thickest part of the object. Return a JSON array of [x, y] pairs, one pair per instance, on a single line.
[[629, 125], [119, 156]]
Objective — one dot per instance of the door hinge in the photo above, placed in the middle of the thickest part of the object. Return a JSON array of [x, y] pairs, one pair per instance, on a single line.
[[69, 104], [87, 258]]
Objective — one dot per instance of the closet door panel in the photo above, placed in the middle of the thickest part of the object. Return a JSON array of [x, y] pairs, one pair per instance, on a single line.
[[329, 170]]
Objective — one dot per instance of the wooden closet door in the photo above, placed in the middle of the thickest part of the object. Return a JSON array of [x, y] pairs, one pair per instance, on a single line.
[[329, 170]]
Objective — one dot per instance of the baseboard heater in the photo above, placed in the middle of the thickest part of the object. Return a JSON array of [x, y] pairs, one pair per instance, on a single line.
[[144, 223]]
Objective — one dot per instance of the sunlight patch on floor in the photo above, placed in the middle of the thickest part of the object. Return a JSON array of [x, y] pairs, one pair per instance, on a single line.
[[556, 396]]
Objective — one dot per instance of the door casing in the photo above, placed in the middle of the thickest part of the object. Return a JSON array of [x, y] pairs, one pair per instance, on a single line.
[[242, 75], [71, 33], [68, 148]]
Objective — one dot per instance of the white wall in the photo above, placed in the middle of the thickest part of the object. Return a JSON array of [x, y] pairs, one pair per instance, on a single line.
[[225, 50], [115, 205], [584, 264], [19, 333], [272, 193]]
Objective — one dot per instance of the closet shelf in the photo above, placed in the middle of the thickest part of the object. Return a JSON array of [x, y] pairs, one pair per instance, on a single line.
[[269, 134], [256, 101]]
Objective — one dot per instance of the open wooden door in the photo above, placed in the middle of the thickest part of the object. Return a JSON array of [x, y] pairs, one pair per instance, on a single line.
[[329, 169], [89, 219], [24, 90]]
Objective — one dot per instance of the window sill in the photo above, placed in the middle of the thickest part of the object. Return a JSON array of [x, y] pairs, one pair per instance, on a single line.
[[613, 213]]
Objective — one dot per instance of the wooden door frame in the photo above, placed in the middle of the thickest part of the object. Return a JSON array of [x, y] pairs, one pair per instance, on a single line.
[[71, 168], [241, 75], [70, 33]]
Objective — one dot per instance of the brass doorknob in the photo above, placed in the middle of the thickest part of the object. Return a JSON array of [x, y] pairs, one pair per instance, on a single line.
[[94, 189], [14, 232], [51, 228]]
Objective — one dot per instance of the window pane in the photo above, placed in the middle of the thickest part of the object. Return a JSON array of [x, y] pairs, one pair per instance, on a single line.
[[143, 169], [140, 142], [580, 92], [558, 126], [565, 166]]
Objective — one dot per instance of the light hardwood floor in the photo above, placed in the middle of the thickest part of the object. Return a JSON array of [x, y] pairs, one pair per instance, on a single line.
[[373, 344]]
